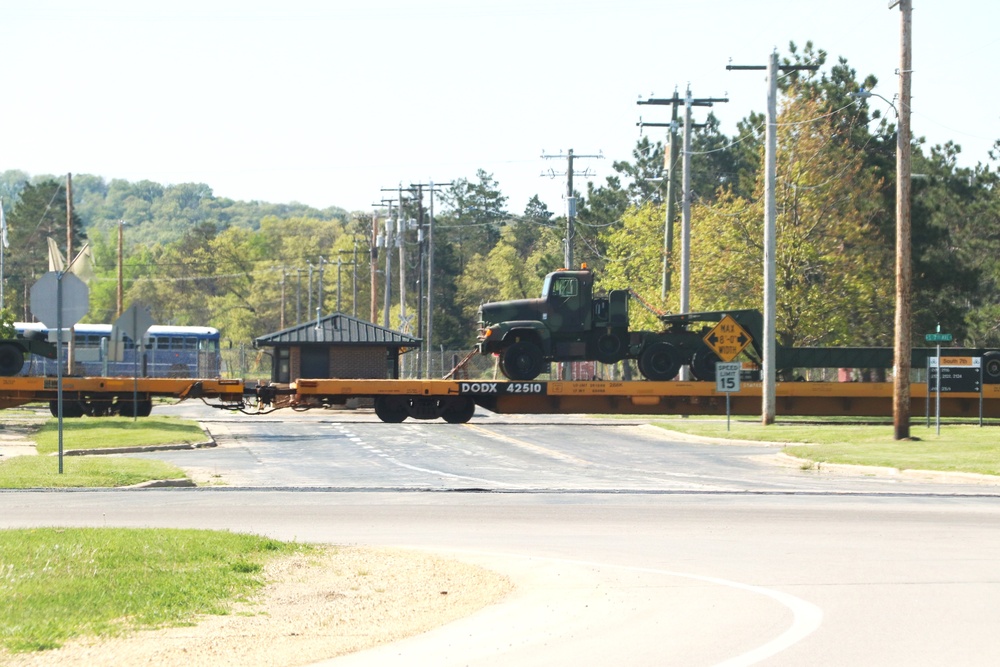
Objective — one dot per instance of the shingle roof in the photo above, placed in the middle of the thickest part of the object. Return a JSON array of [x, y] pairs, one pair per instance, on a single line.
[[337, 329]]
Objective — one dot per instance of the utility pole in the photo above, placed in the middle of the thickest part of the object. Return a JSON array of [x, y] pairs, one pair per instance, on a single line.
[[903, 323], [670, 165], [121, 223], [382, 240], [768, 373], [425, 250], [69, 219], [570, 201]]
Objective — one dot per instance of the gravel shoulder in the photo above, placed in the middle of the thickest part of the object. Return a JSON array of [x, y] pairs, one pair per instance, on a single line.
[[318, 606]]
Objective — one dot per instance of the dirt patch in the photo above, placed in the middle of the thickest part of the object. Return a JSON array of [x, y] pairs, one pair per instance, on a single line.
[[318, 606]]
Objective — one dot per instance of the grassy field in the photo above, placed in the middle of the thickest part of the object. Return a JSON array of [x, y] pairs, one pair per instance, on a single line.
[[111, 432], [26, 472], [42, 472], [961, 447], [57, 584]]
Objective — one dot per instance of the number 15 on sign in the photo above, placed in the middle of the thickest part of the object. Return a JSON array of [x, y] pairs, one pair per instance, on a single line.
[[727, 380]]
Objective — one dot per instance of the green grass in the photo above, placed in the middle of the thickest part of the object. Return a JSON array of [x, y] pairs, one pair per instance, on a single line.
[[35, 472], [961, 447], [57, 584], [111, 432]]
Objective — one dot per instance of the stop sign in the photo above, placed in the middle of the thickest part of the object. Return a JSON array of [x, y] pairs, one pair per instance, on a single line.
[[44, 299]]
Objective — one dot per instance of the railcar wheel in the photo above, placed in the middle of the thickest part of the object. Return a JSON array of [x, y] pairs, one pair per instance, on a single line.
[[659, 362], [459, 410], [521, 361], [391, 409], [72, 409]]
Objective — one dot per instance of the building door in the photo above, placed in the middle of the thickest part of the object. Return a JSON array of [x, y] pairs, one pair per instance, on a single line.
[[315, 362]]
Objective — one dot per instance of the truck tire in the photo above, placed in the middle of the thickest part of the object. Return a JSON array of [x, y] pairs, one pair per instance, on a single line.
[[11, 359], [991, 367], [610, 348], [521, 361], [703, 364], [659, 362]]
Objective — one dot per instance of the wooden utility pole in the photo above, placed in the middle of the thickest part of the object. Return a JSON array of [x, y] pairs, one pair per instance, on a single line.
[[670, 166], [903, 344], [373, 266], [69, 219], [121, 223], [570, 203]]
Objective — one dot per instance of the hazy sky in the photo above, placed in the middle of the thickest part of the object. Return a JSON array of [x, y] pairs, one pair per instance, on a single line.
[[328, 102]]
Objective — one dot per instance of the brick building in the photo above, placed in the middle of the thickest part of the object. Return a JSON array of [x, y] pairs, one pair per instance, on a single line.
[[336, 346]]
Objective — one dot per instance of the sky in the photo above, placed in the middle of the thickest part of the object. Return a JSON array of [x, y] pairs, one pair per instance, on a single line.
[[333, 103]]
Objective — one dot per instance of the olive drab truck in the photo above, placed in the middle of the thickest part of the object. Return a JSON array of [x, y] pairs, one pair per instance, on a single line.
[[569, 323]]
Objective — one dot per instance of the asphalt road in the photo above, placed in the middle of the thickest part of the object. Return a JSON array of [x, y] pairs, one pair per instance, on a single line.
[[628, 548]]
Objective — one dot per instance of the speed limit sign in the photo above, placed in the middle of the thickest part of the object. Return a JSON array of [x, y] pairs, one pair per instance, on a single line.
[[727, 376]]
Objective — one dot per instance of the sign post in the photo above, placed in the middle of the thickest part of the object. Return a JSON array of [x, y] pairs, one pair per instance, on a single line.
[[61, 299], [727, 380], [937, 338], [135, 322]]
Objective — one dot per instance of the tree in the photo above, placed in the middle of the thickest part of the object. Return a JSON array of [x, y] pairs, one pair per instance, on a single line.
[[40, 213], [830, 264], [473, 216]]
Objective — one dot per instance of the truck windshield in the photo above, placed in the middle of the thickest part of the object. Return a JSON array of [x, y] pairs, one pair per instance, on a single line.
[[560, 286]]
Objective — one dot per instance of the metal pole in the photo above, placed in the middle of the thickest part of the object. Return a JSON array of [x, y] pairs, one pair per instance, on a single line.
[[59, 373], [685, 303], [668, 224], [570, 213], [768, 393], [319, 291], [430, 284], [903, 345]]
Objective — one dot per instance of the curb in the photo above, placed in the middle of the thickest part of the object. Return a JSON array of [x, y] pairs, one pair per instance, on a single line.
[[885, 471], [138, 450]]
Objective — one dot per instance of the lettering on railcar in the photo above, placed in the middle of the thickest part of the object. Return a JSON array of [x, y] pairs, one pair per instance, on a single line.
[[501, 388]]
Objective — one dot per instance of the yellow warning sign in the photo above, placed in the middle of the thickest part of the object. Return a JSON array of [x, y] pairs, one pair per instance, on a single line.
[[727, 339]]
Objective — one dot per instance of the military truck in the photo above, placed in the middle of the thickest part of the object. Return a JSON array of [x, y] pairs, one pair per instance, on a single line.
[[13, 351], [569, 323]]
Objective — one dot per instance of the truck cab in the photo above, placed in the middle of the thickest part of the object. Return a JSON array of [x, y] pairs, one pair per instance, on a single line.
[[565, 323]]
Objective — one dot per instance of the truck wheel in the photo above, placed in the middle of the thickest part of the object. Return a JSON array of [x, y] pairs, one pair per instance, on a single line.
[[521, 361], [391, 409], [609, 348], [659, 362], [11, 359], [991, 367], [703, 364]]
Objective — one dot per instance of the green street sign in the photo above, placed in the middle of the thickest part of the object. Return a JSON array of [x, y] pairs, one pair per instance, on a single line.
[[938, 338]]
